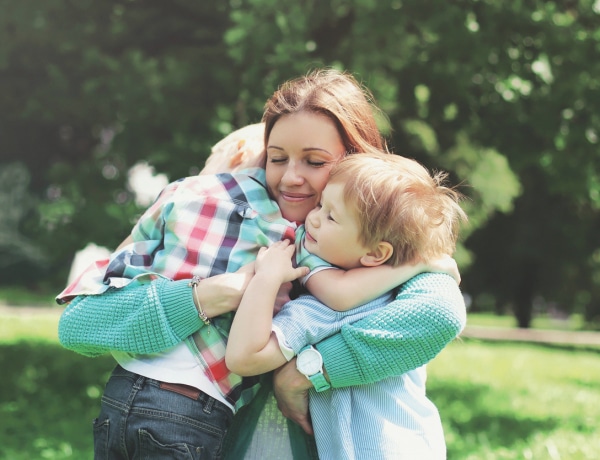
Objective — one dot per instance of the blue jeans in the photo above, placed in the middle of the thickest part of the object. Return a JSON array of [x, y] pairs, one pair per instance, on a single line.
[[140, 420]]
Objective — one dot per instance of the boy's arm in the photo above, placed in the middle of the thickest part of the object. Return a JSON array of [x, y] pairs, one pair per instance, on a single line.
[[360, 285], [251, 347]]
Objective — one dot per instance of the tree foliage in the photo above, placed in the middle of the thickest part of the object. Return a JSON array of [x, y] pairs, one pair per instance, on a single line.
[[503, 94]]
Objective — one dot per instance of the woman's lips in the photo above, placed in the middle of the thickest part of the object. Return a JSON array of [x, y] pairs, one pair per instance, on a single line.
[[295, 197]]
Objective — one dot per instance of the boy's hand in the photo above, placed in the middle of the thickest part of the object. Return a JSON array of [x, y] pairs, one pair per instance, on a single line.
[[283, 297], [446, 265], [276, 260]]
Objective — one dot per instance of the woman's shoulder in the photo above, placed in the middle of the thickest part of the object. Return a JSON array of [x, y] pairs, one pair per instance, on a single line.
[[431, 280], [438, 287]]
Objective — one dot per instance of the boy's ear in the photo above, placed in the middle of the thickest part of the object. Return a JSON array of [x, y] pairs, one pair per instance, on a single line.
[[378, 256]]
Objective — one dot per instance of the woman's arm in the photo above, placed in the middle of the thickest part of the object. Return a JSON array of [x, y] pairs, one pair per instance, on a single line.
[[428, 313], [147, 318], [138, 318]]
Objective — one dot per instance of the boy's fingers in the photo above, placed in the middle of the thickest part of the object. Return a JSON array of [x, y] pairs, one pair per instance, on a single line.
[[303, 271]]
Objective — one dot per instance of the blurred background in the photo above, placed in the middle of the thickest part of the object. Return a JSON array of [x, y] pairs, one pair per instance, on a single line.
[[503, 94]]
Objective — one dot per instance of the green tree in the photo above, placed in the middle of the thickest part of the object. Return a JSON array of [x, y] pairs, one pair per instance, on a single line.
[[89, 89], [503, 94], [18, 254]]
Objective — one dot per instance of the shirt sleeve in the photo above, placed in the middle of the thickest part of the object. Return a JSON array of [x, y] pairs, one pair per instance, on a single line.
[[427, 314], [305, 320], [125, 264], [138, 318], [121, 305], [305, 259]]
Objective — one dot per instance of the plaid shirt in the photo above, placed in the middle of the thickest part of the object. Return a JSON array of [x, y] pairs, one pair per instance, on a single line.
[[199, 226]]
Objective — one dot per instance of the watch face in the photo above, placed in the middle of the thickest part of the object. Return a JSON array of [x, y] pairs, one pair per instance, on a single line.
[[309, 362]]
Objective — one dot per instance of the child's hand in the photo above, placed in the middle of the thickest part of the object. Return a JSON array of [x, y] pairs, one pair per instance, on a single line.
[[276, 260], [446, 265], [283, 297]]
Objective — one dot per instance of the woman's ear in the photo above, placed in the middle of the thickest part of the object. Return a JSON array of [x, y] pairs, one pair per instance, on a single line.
[[378, 256]]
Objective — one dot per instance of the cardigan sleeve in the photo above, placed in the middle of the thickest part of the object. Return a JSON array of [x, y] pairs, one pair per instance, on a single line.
[[138, 318], [427, 314], [134, 315]]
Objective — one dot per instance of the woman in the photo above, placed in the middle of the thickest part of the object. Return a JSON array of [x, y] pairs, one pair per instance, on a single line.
[[310, 123]]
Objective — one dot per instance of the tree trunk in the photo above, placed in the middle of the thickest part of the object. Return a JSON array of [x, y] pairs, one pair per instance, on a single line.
[[524, 299]]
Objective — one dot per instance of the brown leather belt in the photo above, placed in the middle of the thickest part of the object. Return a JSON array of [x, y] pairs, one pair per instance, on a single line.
[[185, 390]]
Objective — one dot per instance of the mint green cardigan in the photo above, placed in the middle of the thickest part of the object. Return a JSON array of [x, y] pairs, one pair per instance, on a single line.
[[427, 314]]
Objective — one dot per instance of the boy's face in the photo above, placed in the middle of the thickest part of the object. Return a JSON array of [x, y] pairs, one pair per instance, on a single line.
[[332, 230]]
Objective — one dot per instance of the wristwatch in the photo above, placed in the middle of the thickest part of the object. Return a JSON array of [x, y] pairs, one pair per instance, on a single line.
[[310, 363]]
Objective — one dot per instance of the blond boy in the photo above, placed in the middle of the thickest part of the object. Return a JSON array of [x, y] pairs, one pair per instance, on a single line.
[[377, 210]]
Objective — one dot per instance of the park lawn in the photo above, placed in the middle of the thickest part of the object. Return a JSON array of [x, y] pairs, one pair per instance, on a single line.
[[29, 324], [497, 400], [517, 401], [573, 322]]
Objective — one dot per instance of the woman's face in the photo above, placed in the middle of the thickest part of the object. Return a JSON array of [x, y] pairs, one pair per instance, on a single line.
[[301, 150]]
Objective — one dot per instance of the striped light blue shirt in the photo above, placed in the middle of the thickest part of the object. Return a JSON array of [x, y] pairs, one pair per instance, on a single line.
[[389, 419]]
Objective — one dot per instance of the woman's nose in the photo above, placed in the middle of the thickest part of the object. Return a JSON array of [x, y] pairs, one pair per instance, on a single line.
[[292, 175]]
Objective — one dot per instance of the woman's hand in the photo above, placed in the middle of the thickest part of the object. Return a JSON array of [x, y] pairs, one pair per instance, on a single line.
[[222, 293], [291, 391]]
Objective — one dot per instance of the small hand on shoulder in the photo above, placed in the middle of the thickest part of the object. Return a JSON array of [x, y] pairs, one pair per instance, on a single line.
[[276, 261], [445, 264]]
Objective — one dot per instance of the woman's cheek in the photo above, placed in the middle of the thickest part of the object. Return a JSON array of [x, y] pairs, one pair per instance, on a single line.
[[320, 181]]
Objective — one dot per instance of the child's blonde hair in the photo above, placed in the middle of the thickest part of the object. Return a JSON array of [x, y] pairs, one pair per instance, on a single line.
[[398, 201], [241, 149]]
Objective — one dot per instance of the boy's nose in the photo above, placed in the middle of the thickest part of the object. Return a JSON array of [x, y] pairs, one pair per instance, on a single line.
[[313, 218], [316, 219]]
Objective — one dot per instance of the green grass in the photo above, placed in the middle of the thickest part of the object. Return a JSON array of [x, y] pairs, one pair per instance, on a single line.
[[18, 296], [30, 325], [572, 323], [517, 401], [497, 400], [49, 396]]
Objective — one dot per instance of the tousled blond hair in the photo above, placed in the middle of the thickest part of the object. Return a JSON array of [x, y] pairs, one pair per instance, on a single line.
[[398, 201], [241, 149]]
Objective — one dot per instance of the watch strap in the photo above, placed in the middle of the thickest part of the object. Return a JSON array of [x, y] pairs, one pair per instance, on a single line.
[[319, 381]]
